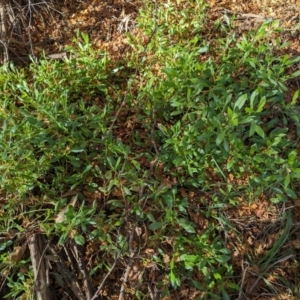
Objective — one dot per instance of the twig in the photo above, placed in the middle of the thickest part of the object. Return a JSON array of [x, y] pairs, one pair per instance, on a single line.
[[3, 282], [243, 280], [152, 133], [132, 252], [151, 292], [105, 278], [69, 256], [241, 15], [129, 265], [42, 257], [39, 267], [82, 268], [141, 192], [69, 276], [3, 32], [259, 276], [116, 115]]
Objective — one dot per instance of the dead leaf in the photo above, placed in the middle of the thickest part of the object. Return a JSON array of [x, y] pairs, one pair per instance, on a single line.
[[61, 215], [149, 251], [296, 244], [138, 230], [166, 258], [17, 253]]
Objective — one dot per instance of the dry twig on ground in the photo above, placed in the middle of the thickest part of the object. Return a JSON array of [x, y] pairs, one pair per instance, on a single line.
[[37, 249]]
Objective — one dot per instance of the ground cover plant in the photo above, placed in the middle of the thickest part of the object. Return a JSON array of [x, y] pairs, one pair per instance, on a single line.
[[172, 173]]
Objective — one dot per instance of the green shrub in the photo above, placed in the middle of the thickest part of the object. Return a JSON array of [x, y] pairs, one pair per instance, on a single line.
[[52, 126]]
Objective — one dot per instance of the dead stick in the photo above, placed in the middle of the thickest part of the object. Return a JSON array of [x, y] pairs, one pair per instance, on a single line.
[[241, 15], [105, 278], [39, 267], [82, 268], [129, 265]]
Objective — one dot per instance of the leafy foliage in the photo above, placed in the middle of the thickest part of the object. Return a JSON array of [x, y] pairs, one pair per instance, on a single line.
[[215, 109]]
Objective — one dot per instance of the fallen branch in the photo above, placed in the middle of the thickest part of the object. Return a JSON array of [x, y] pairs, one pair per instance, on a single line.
[[241, 15], [68, 276], [26, 59], [37, 250], [3, 32]]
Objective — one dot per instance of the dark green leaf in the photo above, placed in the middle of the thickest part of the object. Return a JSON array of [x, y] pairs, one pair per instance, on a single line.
[[156, 225], [220, 138], [79, 239], [240, 102], [186, 225]]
